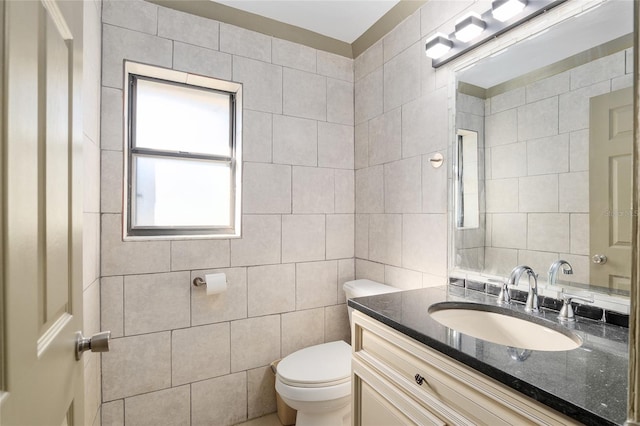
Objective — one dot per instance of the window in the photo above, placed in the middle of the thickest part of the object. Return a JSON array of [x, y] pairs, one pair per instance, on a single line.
[[183, 156]]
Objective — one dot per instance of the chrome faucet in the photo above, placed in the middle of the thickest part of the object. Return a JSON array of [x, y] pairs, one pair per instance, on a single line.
[[532, 297], [555, 266]]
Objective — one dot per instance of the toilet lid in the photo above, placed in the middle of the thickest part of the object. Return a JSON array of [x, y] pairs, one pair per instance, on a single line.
[[317, 366]]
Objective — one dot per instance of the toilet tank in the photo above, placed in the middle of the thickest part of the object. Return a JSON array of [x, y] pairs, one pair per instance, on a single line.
[[363, 287]]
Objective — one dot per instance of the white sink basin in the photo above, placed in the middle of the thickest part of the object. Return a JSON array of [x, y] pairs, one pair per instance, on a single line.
[[504, 326]]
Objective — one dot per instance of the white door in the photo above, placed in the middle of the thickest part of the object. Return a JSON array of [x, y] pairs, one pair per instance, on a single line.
[[610, 183], [42, 382]]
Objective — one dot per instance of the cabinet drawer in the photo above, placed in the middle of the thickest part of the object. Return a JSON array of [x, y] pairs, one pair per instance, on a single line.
[[449, 388]]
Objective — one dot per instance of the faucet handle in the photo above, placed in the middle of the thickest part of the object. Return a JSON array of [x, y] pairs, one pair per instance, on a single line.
[[566, 313]]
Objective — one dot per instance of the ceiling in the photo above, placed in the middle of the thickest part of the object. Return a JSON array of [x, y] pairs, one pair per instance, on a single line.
[[343, 20]]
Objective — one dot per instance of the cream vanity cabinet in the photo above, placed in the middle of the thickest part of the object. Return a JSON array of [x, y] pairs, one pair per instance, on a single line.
[[399, 381]]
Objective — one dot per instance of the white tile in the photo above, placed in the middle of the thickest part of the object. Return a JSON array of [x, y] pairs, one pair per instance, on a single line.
[[345, 191], [346, 272], [271, 289], [304, 94], [136, 365], [302, 329], [434, 186], [622, 82], [255, 342], [539, 261], [574, 106], [227, 306], [548, 87], [313, 190], [112, 305], [500, 261], [501, 195], [257, 136], [579, 151], [433, 14], [369, 270], [361, 140], [509, 230], [266, 188], [368, 96], [470, 104], [501, 128], [508, 100], [199, 60], [602, 69], [199, 254], [425, 124], [120, 43], [134, 14], [574, 192], [335, 66], [580, 234], [548, 232], [629, 61], [402, 186], [261, 84], [199, 353], [538, 193], [402, 77], [241, 42], [188, 28], [219, 401], [91, 176], [131, 257], [340, 101], [385, 238], [336, 323], [112, 130], [385, 143], [166, 407], [402, 278], [548, 155], [406, 34], [538, 119], [370, 60], [156, 302], [260, 242], [429, 280], [423, 237], [509, 160], [90, 249], [113, 413], [261, 392], [111, 184], [316, 284], [340, 236], [295, 141], [362, 236], [370, 190], [303, 238], [293, 55]]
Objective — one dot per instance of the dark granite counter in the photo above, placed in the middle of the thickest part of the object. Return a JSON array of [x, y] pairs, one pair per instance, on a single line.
[[588, 384]]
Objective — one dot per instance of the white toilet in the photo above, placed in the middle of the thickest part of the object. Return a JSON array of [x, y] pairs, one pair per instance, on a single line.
[[316, 380]]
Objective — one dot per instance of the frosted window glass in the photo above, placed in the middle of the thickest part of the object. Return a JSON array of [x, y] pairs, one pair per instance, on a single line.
[[178, 118], [176, 192]]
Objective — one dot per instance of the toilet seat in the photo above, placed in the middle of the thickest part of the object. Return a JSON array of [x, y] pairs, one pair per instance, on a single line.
[[324, 365]]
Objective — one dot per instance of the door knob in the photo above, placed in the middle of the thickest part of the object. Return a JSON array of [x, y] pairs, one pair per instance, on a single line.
[[99, 342], [599, 259]]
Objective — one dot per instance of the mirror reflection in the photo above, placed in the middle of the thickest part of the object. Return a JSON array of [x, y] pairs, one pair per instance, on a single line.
[[553, 116]]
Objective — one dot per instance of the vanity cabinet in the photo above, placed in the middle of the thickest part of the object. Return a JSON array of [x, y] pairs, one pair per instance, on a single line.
[[399, 381]]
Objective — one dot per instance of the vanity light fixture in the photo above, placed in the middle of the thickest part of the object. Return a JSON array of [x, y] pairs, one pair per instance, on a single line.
[[469, 27], [438, 45], [503, 10], [473, 30]]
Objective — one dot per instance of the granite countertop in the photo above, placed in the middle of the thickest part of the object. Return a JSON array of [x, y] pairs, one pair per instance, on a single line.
[[588, 384]]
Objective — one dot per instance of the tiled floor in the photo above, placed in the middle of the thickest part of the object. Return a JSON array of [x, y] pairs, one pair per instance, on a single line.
[[268, 420]]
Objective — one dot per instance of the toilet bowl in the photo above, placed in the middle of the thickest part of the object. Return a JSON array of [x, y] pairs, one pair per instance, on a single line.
[[316, 380]]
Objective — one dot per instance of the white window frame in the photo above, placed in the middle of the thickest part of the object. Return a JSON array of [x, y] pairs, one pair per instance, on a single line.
[[133, 71]]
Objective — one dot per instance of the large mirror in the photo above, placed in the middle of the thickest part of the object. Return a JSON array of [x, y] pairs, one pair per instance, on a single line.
[[552, 117]]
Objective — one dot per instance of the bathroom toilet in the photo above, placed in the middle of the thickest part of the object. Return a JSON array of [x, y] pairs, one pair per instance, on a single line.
[[316, 380]]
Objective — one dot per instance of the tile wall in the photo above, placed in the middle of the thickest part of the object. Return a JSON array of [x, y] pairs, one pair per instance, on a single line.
[[91, 204], [178, 356], [537, 143]]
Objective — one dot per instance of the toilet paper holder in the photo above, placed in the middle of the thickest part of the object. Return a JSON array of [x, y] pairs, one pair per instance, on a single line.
[[199, 282]]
